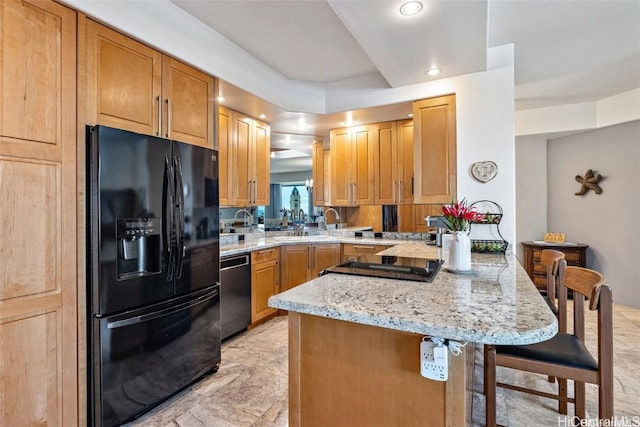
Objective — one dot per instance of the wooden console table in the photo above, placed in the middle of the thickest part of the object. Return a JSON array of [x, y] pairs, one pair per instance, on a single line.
[[575, 254]]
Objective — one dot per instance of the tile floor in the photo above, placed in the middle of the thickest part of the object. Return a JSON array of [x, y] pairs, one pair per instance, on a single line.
[[250, 389]]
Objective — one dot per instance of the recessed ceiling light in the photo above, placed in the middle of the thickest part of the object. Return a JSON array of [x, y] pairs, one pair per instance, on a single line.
[[410, 8], [221, 98], [410, 115], [262, 116], [433, 71]]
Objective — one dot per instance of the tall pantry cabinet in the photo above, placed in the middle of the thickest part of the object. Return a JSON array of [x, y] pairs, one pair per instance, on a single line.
[[38, 225]]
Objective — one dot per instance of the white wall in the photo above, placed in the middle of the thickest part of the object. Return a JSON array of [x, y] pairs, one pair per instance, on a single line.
[[610, 222], [531, 190]]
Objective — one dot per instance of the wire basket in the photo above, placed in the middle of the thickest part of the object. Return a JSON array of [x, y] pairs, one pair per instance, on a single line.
[[489, 246]]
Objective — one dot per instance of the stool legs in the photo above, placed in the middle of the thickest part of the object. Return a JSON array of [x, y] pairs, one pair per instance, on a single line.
[[490, 385]]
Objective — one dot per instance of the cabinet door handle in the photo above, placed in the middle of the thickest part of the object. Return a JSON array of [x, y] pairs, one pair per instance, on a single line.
[[168, 134], [159, 132]]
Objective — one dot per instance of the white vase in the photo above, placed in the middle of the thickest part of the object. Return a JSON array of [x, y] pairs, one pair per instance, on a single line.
[[459, 251]]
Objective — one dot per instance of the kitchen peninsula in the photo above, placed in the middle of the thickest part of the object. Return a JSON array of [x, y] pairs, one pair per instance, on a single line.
[[354, 341]]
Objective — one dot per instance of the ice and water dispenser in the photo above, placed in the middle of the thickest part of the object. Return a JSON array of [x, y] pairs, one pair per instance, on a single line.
[[139, 247]]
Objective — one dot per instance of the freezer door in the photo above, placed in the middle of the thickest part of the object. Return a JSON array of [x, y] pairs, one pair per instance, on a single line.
[[197, 218], [141, 358], [128, 228]]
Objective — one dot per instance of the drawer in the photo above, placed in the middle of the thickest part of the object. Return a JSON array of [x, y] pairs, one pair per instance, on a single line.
[[540, 281], [350, 249], [263, 255], [537, 268], [572, 257]]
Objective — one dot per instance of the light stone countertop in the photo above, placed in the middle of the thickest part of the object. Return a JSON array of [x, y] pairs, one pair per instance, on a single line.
[[496, 304]]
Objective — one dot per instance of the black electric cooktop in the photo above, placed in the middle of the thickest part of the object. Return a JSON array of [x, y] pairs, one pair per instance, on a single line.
[[391, 267]]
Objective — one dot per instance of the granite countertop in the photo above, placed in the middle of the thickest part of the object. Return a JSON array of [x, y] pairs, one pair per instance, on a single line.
[[242, 246], [495, 304]]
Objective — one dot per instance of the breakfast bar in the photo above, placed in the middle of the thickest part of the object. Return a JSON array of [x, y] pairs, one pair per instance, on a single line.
[[354, 341]]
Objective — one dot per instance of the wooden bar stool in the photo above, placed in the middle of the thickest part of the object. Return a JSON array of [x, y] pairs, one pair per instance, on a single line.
[[564, 356]]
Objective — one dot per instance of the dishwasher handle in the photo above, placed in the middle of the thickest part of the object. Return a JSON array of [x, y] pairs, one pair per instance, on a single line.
[[234, 262]]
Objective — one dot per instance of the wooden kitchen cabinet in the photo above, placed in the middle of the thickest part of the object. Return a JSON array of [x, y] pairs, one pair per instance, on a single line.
[[394, 163], [351, 251], [265, 282], [134, 87], [352, 165], [38, 219], [434, 122], [321, 181], [244, 147], [301, 263], [574, 254]]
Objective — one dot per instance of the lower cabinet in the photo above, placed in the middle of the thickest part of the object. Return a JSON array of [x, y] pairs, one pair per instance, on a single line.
[[265, 281], [353, 250], [301, 263]]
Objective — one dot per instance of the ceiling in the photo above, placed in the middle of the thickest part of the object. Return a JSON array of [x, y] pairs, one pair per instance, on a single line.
[[566, 52]]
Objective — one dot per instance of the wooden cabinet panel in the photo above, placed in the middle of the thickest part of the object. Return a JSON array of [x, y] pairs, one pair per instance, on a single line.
[[317, 173], [244, 143], [37, 72], [327, 177], [124, 87], [323, 256], [386, 165], [301, 263], [134, 87], [38, 218], [574, 254], [30, 252], [405, 161], [30, 364], [394, 163], [340, 176], [188, 98], [265, 282], [435, 150], [352, 166], [226, 152], [295, 265], [261, 160]]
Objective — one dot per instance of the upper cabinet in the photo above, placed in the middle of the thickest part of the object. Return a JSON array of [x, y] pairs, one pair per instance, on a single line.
[[352, 165], [320, 178], [134, 87], [394, 163], [244, 145], [39, 224], [435, 149]]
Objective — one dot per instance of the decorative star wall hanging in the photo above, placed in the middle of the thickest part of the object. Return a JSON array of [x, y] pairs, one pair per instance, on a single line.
[[589, 182]]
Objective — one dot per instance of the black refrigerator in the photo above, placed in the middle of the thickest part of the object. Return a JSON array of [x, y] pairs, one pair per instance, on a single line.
[[153, 277]]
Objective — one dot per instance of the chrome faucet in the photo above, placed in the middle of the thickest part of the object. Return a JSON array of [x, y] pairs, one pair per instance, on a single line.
[[245, 217], [325, 215], [334, 211], [298, 230], [439, 224]]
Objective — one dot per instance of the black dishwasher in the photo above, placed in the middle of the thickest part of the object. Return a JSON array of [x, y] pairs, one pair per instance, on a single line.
[[235, 294]]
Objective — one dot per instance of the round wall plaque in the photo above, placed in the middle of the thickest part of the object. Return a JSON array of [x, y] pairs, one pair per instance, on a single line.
[[484, 171]]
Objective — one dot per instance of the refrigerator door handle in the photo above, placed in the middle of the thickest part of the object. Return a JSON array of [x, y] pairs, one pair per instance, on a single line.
[[167, 217], [161, 313], [180, 221]]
